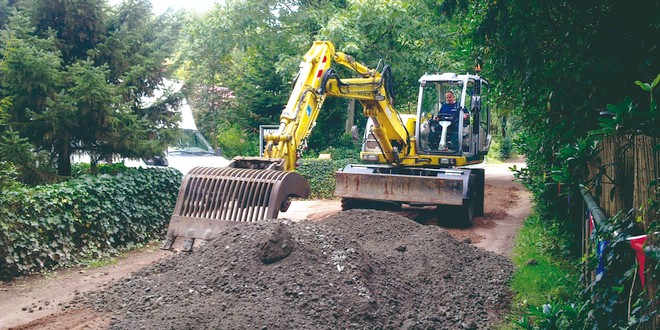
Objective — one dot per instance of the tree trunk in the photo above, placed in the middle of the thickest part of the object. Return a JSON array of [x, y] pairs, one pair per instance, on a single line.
[[63, 157], [350, 118]]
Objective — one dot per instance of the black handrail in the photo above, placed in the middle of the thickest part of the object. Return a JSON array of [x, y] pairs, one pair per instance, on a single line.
[[592, 206]]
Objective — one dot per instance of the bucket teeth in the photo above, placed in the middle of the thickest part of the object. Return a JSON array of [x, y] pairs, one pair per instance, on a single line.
[[188, 245], [167, 244]]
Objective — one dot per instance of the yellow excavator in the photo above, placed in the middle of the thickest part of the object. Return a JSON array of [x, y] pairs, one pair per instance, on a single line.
[[412, 159]]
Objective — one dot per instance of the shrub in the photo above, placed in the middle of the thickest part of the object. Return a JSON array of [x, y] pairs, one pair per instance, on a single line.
[[87, 217], [343, 148], [79, 169], [31, 168], [8, 176], [234, 141], [320, 173]]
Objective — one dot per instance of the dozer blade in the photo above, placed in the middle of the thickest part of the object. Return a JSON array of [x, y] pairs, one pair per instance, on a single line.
[[212, 199], [420, 187]]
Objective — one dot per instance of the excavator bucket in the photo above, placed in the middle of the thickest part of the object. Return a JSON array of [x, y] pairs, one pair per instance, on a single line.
[[211, 199]]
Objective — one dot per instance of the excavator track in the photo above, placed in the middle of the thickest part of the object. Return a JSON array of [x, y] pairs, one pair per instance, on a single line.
[[212, 199]]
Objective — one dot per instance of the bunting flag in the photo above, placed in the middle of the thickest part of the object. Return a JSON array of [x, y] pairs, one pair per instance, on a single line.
[[601, 263], [637, 244], [592, 225]]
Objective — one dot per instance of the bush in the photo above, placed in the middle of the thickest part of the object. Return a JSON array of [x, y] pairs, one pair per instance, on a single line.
[[31, 168], [501, 149], [234, 141], [320, 173], [343, 148], [8, 176], [79, 169], [87, 217]]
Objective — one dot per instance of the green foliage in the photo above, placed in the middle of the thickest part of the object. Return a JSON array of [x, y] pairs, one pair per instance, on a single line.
[[500, 149], [320, 173], [15, 149], [8, 176], [413, 37], [603, 307], [252, 48], [550, 316], [543, 282], [574, 160], [627, 118], [76, 72], [33, 168], [80, 169], [614, 299], [234, 141], [553, 64], [88, 217], [548, 277], [342, 148]]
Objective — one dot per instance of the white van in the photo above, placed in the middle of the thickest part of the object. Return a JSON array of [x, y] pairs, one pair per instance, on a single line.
[[190, 150]]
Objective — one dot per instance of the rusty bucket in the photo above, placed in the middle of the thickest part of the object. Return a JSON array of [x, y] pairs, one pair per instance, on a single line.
[[212, 199]]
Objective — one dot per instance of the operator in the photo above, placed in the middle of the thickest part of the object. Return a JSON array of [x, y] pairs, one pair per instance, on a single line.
[[451, 107]]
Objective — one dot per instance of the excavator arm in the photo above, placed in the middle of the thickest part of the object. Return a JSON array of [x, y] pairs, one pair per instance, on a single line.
[[254, 188], [315, 81]]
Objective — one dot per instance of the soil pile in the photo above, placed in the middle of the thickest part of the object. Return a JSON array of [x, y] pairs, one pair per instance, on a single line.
[[356, 269]]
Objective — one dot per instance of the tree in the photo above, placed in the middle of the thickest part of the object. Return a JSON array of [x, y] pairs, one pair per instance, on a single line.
[[76, 73], [253, 48], [562, 63]]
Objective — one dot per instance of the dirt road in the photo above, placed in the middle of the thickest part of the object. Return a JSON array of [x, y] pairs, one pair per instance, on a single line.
[[40, 302]]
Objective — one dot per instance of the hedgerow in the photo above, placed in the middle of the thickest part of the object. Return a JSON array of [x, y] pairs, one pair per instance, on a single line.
[[58, 225], [320, 173]]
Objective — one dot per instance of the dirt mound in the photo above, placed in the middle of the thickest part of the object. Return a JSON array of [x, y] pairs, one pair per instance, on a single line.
[[355, 269]]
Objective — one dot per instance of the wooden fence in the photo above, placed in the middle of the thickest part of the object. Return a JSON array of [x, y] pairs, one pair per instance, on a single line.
[[630, 178], [630, 166]]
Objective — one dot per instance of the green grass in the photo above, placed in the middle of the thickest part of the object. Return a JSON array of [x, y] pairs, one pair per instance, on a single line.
[[550, 278], [98, 263], [540, 277]]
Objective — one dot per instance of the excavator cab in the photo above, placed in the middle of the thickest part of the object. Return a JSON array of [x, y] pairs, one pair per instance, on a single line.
[[463, 133]]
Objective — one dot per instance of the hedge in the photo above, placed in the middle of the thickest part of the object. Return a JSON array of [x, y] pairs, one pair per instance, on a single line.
[[320, 173], [88, 217]]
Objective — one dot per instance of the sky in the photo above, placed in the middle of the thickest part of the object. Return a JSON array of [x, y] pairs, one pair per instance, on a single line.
[[161, 6]]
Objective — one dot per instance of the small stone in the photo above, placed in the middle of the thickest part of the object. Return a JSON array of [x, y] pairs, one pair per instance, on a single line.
[[470, 325]]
